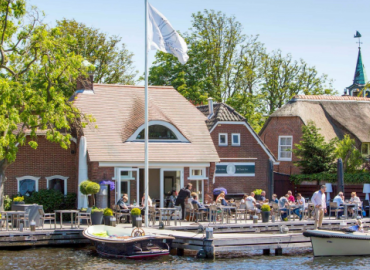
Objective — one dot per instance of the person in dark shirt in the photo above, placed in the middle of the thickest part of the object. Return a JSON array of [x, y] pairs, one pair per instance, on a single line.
[[183, 195], [122, 202]]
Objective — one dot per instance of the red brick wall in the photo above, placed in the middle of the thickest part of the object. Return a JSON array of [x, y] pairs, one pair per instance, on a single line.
[[47, 160], [281, 126], [249, 148]]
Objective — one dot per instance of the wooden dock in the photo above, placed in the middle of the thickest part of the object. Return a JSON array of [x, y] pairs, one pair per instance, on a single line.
[[227, 238]]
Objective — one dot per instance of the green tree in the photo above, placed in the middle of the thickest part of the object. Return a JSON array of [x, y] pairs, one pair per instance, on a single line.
[[351, 156], [112, 60], [315, 155], [231, 67], [36, 70]]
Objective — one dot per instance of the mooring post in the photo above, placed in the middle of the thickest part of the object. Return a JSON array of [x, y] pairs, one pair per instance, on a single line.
[[266, 252], [278, 251], [209, 248]]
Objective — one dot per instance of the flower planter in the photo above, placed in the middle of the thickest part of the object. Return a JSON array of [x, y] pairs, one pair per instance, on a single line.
[[97, 218], [107, 220], [265, 216], [133, 220], [18, 202]]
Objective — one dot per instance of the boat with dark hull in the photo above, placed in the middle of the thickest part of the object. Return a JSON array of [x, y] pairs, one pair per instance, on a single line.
[[118, 243]]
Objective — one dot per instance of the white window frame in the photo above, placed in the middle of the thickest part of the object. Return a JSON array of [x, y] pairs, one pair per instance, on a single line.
[[197, 177], [236, 174], [279, 148], [368, 152], [232, 139], [128, 177], [57, 177], [219, 139], [36, 179]]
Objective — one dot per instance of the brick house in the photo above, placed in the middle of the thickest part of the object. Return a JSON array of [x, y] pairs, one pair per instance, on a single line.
[[334, 115], [244, 158]]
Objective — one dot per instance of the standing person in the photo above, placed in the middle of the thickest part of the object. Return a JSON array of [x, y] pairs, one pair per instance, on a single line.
[[183, 195], [291, 197], [319, 201]]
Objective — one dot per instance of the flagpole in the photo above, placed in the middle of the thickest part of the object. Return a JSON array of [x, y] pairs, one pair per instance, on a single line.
[[146, 165]]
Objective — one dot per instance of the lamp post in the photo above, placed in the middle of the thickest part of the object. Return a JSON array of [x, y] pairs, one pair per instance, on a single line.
[[329, 189], [366, 190]]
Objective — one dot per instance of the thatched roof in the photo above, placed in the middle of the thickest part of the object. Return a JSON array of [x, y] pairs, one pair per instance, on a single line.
[[335, 116]]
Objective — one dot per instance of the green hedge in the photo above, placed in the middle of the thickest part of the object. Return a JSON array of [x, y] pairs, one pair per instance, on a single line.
[[349, 178]]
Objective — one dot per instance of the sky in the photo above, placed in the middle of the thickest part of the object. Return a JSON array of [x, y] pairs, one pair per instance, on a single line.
[[320, 32]]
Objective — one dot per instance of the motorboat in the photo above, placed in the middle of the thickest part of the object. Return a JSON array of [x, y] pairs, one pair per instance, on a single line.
[[339, 243], [127, 242]]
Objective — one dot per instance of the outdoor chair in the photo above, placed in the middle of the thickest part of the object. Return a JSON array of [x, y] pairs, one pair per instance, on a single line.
[[334, 209], [25, 218], [189, 209], [176, 215], [84, 216], [251, 210], [47, 216], [152, 214], [275, 210], [358, 209], [119, 214], [311, 211], [198, 213], [241, 209], [212, 214]]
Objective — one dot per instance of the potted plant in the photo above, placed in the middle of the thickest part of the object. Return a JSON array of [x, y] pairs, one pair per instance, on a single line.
[[135, 213], [96, 215], [18, 200], [265, 212], [108, 213], [258, 193]]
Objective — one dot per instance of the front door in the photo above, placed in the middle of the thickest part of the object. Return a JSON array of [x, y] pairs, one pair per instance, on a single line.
[[128, 179], [170, 179]]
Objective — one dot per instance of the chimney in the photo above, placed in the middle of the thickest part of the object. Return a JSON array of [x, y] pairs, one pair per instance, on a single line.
[[86, 85], [210, 107]]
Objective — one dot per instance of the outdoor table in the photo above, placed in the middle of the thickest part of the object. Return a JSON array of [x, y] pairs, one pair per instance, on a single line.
[[34, 211], [346, 205], [11, 214], [168, 210], [66, 212], [223, 209]]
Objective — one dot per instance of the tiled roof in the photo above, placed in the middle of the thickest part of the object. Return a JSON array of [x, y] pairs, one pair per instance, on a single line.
[[331, 98], [119, 111], [221, 112]]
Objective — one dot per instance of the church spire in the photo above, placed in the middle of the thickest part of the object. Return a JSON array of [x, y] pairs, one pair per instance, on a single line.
[[360, 77]]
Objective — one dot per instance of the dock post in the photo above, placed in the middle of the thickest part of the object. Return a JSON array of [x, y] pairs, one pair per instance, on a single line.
[[278, 251], [266, 252], [180, 252], [209, 248]]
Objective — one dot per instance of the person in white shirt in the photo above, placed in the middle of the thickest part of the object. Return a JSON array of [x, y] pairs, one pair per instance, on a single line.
[[319, 201], [244, 200], [251, 201], [356, 200], [339, 199]]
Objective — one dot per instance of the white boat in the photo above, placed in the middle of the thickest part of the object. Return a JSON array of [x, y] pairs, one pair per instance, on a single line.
[[126, 243], [339, 243]]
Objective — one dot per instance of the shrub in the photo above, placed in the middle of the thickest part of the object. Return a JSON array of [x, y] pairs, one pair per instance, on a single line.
[[257, 191], [265, 208], [108, 212], [18, 199], [95, 209], [135, 212], [83, 187], [7, 203], [92, 188]]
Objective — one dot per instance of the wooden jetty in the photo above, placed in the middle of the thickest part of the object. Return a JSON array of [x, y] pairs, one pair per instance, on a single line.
[[226, 238]]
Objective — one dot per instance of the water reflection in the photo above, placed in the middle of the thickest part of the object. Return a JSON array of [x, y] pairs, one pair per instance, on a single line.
[[87, 258]]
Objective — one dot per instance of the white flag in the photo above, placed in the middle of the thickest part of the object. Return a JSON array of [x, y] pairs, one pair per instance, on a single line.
[[162, 36]]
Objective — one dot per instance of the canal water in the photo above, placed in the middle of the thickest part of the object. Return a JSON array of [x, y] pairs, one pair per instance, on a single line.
[[87, 258]]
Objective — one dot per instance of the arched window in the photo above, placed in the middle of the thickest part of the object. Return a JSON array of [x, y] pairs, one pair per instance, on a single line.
[[159, 131], [57, 182], [27, 185]]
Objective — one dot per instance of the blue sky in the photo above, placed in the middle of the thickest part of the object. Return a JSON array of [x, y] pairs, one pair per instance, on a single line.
[[318, 31]]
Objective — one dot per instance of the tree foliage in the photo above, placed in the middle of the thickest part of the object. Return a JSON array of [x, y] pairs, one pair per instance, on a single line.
[[37, 68], [112, 60], [234, 68], [350, 155], [315, 155]]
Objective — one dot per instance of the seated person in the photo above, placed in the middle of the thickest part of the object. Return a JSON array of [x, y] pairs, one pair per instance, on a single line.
[[244, 199], [122, 202], [339, 199], [191, 197], [356, 200], [283, 206], [275, 199], [291, 197], [221, 199], [195, 201], [263, 196], [173, 199], [301, 206], [252, 201]]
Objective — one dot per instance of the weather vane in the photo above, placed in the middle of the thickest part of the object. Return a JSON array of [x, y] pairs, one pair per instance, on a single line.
[[358, 35]]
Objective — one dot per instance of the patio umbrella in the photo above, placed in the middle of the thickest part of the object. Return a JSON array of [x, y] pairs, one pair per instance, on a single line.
[[340, 175], [217, 191]]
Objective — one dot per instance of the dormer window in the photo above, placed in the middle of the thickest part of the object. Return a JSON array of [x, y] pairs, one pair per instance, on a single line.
[[157, 132]]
